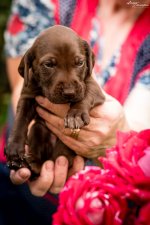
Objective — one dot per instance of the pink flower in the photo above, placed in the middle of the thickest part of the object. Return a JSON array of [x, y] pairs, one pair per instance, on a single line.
[[119, 194], [144, 215], [92, 197], [130, 159]]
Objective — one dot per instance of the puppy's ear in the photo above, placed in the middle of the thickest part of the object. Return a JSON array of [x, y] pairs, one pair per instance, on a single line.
[[90, 57], [25, 65]]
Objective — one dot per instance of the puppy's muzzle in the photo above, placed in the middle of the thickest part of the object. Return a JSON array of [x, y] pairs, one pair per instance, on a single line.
[[64, 93], [68, 93]]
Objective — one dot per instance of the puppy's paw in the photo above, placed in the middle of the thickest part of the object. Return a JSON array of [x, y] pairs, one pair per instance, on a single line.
[[14, 153], [76, 118]]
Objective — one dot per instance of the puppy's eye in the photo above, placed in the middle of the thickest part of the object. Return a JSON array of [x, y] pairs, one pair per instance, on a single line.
[[50, 64], [79, 63]]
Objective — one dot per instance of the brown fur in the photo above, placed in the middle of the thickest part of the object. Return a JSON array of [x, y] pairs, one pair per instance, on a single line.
[[58, 66]]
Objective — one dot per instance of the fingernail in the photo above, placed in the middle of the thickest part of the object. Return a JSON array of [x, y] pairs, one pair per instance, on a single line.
[[39, 110], [12, 172], [24, 174], [40, 100], [49, 166], [78, 159], [61, 160]]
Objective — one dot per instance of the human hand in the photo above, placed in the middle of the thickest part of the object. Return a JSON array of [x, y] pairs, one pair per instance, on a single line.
[[52, 176], [94, 138]]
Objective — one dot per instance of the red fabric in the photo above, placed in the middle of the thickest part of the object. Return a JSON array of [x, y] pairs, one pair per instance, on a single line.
[[84, 12], [15, 25], [141, 72], [56, 11], [118, 86]]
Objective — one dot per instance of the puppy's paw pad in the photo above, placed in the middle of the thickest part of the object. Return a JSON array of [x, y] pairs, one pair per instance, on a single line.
[[13, 165], [76, 119], [15, 156]]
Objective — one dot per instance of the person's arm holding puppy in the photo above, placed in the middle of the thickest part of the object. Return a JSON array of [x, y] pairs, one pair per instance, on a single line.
[[94, 138], [92, 141]]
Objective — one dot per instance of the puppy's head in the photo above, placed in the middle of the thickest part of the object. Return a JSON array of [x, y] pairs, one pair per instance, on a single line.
[[60, 62]]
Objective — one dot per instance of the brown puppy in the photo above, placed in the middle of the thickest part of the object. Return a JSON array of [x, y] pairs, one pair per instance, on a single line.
[[58, 66]]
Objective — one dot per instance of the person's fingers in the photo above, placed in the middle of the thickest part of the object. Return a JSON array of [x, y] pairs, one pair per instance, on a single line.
[[54, 120], [73, 144], [92, 150], [41, 185], [60, 174], [78, 164], [57, 109], [58, 123], [50, 117], [20, 176]]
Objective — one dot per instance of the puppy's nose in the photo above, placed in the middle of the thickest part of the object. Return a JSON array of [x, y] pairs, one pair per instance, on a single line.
[[68, 92]]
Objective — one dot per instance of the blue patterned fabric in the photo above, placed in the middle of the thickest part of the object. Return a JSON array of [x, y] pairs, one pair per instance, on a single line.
[[142, 60], [145, 79], [66, 11], [35, 16]]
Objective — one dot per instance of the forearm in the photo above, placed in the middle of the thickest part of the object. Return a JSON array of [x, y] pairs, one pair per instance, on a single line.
[[137, 108], [15, 80]]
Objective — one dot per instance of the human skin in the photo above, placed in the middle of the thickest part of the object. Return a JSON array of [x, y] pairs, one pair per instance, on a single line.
[[91, 143]]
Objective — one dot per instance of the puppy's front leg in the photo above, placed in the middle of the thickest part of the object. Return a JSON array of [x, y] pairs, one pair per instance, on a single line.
[[14, 150], [78, 115]]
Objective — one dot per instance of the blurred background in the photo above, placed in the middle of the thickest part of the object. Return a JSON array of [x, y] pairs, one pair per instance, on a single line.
[[4, 85]]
